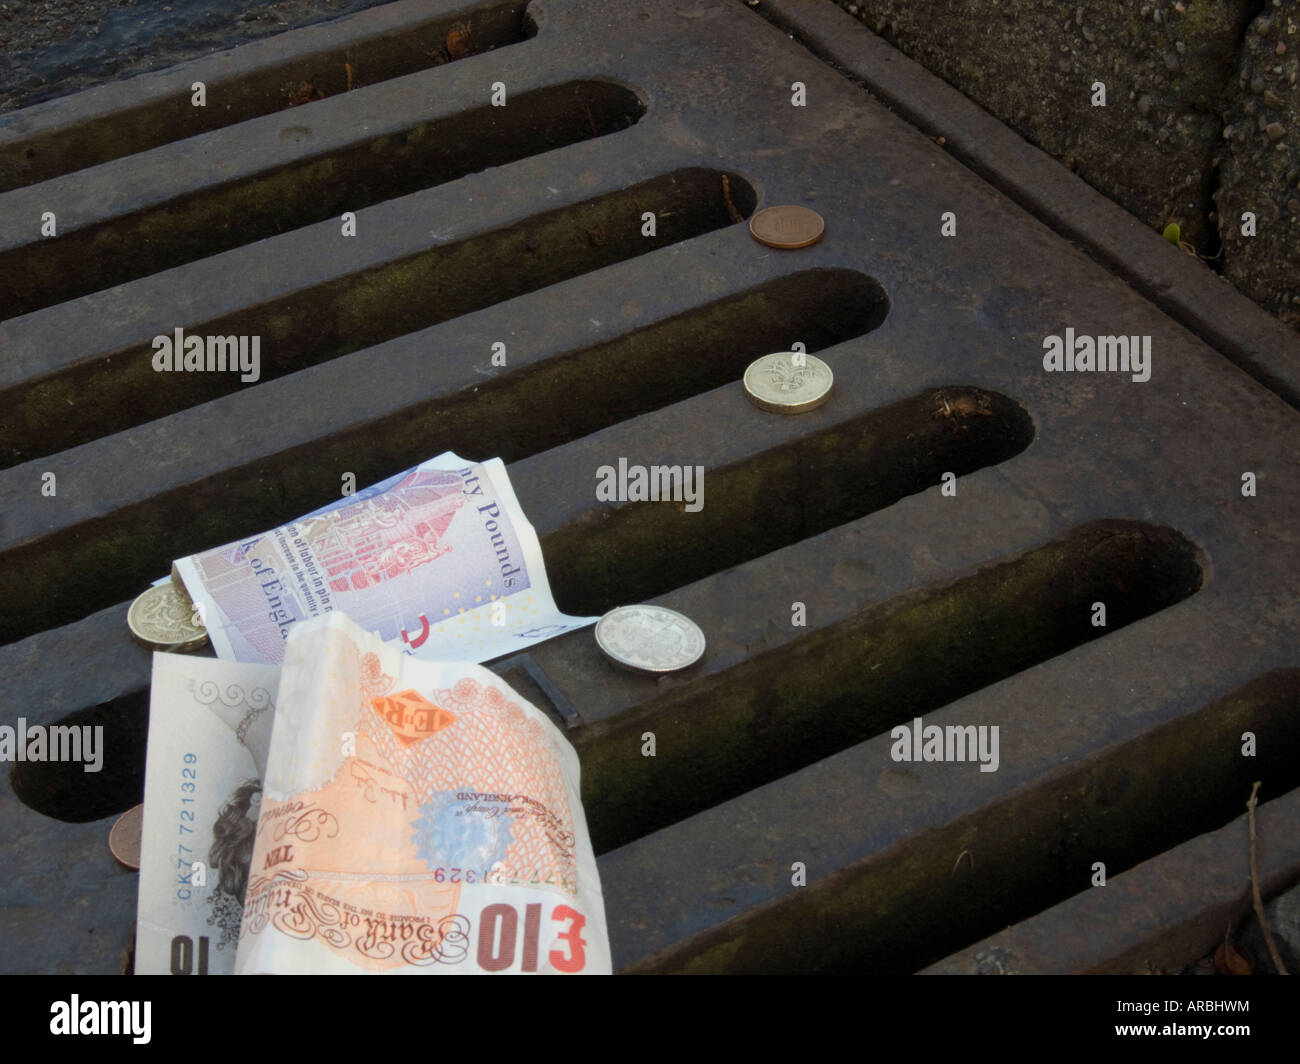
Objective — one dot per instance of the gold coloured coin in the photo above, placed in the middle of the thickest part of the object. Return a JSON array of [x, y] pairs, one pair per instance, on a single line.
[[788, 382], [163, 619], [124, 839], [787, 226]]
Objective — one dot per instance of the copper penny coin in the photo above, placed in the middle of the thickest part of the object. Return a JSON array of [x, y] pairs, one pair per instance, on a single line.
[[124, 839], [787, 226]]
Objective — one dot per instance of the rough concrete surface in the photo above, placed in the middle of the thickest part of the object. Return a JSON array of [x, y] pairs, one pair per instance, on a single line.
[[55, 47], [1260, 164], [1175, 74]]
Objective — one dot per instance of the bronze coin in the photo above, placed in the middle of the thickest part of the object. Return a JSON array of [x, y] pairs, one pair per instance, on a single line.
[[787, 226], [124, 839]]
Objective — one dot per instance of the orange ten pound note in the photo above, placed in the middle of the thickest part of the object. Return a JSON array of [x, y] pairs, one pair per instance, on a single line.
[[416, 817]]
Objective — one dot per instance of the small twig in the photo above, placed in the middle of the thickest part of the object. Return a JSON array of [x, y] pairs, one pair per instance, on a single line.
[[736, 216], [348, 68], [964, 853], [1254, 887]]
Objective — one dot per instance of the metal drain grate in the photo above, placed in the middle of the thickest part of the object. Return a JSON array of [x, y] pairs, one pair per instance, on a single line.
[[524, 225]]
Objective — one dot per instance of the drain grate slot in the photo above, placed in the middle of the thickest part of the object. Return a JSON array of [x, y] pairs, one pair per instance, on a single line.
[[664, 363], [908, 905], [1163, 788], [782, 495], [791, 707], [64, 789], [890, 663], [40, 273], [390, 50], [335, 318]]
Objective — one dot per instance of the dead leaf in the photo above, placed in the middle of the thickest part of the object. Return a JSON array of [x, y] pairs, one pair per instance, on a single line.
[[1228, 961], [304, 92], [735, 215], [459, 43]]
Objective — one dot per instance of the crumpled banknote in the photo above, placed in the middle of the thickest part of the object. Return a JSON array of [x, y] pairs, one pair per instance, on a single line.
[[411, 817]]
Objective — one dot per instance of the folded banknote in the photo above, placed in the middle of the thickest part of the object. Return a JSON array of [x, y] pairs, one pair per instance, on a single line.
[[439, 559], [408, 817], [209, 731]]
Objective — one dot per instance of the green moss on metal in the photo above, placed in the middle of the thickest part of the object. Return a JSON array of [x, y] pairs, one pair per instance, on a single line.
[[914, 903], [833, 688]]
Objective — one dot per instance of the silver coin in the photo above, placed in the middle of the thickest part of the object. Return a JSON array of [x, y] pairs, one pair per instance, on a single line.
[[788, 382], [649, 639]]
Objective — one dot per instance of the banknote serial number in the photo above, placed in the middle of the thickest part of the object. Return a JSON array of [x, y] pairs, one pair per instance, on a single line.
[[498, 877], [185, 824]]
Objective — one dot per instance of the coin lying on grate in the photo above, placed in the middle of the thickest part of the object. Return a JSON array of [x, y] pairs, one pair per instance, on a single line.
[[163, 618], [649, 639], [124, 839], [787, 226], [789, 382]]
